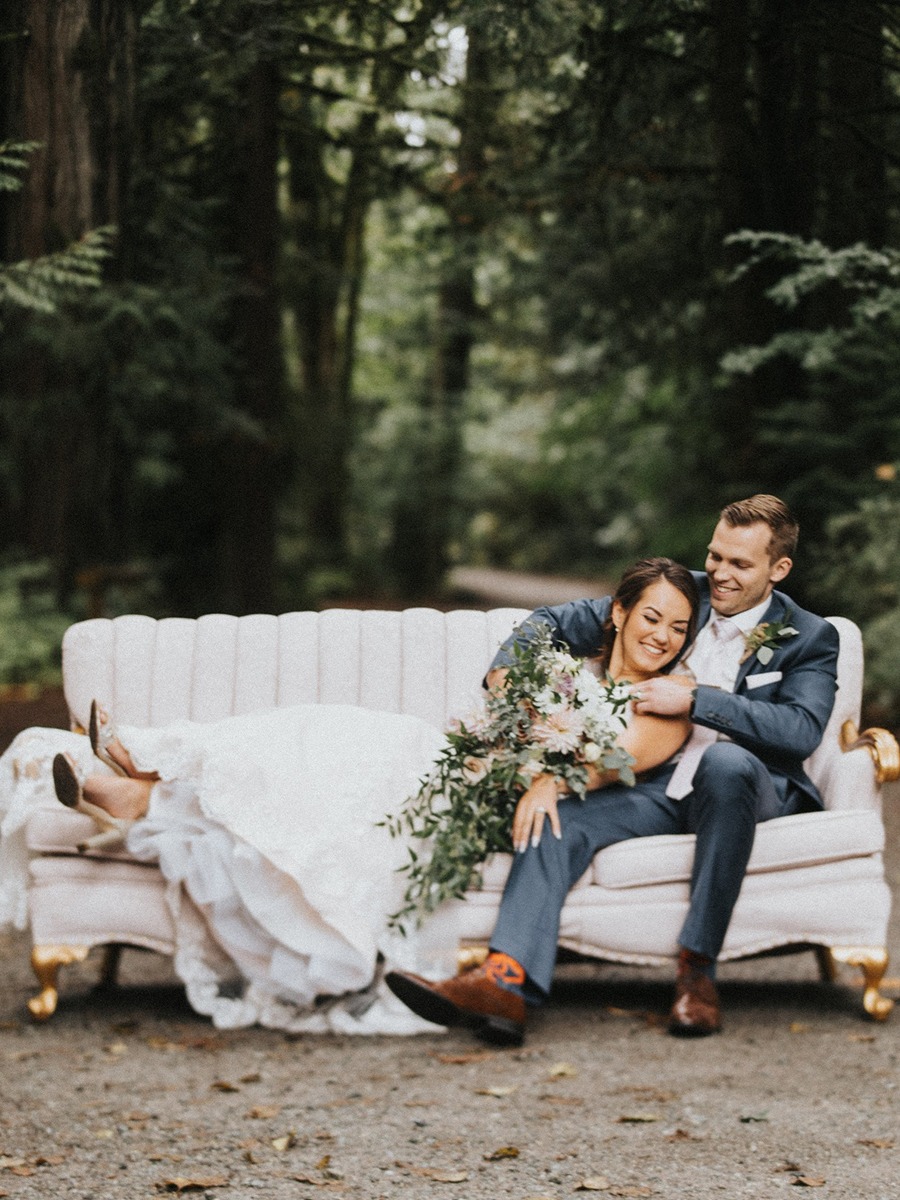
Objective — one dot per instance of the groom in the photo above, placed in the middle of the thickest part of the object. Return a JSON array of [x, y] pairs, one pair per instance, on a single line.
[[766, 679]]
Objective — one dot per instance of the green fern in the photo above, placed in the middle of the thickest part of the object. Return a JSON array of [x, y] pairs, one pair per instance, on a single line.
[[42, 284]]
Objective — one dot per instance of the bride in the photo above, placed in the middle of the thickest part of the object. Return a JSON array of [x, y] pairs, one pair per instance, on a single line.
[[266, 827]]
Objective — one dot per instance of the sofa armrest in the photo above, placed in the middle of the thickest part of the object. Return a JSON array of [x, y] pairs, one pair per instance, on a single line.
[[881, 745]]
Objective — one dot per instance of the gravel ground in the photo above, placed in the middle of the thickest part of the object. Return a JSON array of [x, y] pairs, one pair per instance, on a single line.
[[126, 1093]]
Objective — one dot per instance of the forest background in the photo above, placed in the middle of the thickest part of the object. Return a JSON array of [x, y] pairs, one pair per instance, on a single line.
[[302, 301]]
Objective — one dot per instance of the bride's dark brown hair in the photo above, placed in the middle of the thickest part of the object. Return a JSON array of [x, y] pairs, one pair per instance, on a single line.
[[635, 581]]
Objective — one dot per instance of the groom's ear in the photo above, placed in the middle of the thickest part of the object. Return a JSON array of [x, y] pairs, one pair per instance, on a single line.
[[780, 569]]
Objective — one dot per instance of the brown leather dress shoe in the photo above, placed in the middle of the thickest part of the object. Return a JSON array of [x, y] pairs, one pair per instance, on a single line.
[[695, 1012], [472, 1000]]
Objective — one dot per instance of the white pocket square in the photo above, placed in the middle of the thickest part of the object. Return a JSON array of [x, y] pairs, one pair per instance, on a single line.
[[764, 677]]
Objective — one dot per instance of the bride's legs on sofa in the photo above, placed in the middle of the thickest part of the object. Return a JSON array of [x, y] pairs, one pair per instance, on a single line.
[[120, 796]]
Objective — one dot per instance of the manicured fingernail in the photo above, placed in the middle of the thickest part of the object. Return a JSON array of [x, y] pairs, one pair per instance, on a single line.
[[535, 841], [558, 836]]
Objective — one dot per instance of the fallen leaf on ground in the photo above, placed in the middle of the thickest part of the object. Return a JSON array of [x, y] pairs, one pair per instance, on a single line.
[[327, 1184], [253, 1077], [877, 1143], [570, 1101], [861, 1037], [637, 1118], [751, 1117], [198, 1183], [163, 1043], [647, 1094], [285, 1141], [683, 1135], [594, 1183], [808, 1181], [499, 1092], [799, 1027], [631, 1190], [323, 1162], [440, 1176], [263, 1112], [459, 1059], [562, 1070], [24, 1171], [224, 1085], [502, 1152], [7, 1163]]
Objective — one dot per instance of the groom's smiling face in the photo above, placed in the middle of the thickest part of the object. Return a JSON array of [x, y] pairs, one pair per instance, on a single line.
[[741, 573]]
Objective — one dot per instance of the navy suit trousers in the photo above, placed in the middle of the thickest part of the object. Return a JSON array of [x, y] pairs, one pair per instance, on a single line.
[[732, 792]]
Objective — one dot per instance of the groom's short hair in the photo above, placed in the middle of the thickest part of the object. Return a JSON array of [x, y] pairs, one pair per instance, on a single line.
[[772, 512]]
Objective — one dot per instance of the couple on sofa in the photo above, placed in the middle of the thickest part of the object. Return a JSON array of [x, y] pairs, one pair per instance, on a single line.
[[269, 821]]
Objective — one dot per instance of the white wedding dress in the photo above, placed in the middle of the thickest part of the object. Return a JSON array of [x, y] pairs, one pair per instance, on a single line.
[[280, 879]]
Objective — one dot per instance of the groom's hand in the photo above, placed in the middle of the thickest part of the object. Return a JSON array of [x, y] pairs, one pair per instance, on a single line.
[[664, 696]]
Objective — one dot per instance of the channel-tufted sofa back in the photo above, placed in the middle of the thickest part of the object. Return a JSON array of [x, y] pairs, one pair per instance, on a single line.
[[150, 672]]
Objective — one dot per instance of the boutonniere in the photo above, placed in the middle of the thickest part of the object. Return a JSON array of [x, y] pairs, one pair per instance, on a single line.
[[762, 640]]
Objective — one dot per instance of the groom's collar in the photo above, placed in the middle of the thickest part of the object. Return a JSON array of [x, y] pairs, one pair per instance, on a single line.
[[748, 619]]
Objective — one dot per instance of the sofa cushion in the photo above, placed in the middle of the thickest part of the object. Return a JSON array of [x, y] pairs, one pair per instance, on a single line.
[[58, 830], [804, 839]]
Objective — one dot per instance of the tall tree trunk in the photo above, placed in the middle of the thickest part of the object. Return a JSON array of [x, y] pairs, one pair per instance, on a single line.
[[764, 107], [425, 521], [853, 165], [71, 89], [328, 225], [251, 468]]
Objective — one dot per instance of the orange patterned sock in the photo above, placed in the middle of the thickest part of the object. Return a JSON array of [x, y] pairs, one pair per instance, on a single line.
[[504, 971]]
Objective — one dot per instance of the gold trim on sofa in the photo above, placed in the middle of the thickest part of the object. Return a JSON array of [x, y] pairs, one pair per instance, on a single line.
[[880, 743]]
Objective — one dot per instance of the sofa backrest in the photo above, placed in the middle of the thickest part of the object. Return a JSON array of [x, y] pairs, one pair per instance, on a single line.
[[418, 661]]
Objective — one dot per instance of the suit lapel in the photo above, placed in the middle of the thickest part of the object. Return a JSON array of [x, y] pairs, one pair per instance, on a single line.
[[775, 612]]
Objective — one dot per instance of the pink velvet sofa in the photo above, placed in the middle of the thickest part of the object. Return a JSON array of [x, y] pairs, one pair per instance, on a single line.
[[816, 881]]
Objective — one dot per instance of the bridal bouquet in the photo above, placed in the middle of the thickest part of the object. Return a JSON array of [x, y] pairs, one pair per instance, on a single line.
[[552, 715]]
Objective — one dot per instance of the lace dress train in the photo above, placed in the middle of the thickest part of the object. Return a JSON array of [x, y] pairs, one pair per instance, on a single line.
[[280, 879]]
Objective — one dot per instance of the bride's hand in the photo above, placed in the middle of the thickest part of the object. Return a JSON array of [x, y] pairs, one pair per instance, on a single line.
[[664, 695], [535, 805]]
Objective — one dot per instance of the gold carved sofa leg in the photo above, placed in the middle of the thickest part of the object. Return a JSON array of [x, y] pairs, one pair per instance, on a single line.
[[46, 961], [873, 962]]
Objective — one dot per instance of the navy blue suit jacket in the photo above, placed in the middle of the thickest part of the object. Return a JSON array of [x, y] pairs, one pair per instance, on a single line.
[[781, 721]]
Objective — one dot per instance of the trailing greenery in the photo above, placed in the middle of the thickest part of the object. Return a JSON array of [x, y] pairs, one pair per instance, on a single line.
[[553, 716]]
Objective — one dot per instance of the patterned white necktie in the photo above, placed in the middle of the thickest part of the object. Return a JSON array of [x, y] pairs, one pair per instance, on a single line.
[[712, 670]]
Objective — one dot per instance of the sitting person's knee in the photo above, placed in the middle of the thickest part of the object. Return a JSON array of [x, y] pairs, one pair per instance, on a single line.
[[724, 761]]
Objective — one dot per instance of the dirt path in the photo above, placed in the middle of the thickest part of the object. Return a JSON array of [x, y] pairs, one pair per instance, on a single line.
[[520, 589]]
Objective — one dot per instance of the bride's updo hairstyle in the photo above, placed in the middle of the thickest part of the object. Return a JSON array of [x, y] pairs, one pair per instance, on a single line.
[[635, 581]]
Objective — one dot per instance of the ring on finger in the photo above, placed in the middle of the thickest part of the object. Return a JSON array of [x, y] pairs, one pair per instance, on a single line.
[[541, 810]]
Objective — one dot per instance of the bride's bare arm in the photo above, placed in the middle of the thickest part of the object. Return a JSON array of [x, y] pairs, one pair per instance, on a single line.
[[651, 741]]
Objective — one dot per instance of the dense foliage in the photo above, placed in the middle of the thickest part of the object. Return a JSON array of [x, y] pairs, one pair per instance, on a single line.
[[401, 284]]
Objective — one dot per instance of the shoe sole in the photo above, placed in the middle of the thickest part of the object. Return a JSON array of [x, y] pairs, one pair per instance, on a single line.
[[694, 1031], [65, 782], [430, 1006]]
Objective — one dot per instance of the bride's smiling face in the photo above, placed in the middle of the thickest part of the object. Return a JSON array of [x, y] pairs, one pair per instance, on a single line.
[[651, 633]]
